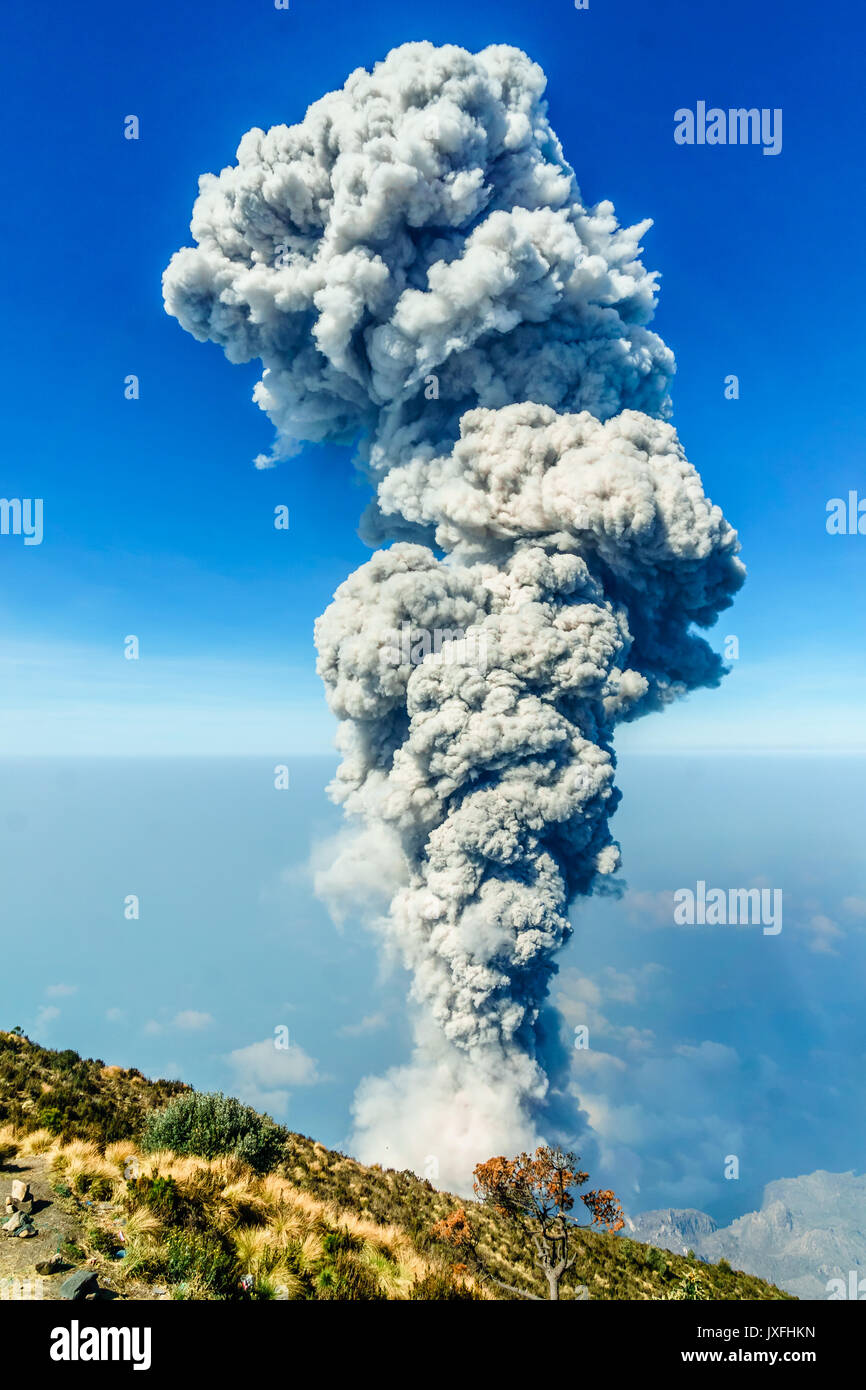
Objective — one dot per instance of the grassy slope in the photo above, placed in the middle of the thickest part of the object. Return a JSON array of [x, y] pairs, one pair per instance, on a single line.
[[321, 1226]]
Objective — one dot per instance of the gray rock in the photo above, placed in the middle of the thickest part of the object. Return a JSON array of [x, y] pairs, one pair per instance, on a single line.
[[14, 1223], [670, 1229], [76, 1288], [807, 1231]]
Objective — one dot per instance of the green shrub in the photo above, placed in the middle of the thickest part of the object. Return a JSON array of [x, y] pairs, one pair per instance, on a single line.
[[161, 1195], [67, 1060], [348, 1280], [210, 1124], [92, 1185], [203, 1257], [690, 1286], [440, 1286], [175, 1206], [104, 1242], [341, 1242]]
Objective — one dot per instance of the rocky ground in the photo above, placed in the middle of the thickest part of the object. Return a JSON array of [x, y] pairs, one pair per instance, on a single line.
[[58, 1218]]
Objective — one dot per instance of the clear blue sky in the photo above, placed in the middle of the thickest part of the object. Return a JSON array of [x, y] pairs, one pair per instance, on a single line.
[[156, 522]]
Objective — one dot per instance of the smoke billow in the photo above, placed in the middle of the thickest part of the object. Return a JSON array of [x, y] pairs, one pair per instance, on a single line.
[[415, 268]]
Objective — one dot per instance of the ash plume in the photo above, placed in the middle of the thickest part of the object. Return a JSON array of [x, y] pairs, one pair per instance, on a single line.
[[415, 268]]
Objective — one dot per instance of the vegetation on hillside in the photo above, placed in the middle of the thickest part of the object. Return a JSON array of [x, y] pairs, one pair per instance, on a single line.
[[203, 1196], [534, 1194], [72, 1096]]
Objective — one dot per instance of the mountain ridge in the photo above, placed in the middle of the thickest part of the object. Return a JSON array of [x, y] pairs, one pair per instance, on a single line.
[[808, 1231]]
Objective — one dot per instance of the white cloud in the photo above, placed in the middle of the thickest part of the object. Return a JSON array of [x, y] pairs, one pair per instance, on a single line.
[[371, 1023], [191, 1021], [187, 1021], [264, 1074], [824, 934], [650, 909]]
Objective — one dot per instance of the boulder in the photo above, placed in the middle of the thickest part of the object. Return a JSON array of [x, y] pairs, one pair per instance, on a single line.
[[76, 1288], [14, 1223], [20, 1191]]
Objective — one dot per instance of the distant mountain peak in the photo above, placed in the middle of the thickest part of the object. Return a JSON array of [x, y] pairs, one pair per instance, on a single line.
[[807, 1231]]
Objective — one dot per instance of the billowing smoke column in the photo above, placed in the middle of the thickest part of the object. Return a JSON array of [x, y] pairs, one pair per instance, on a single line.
[[415, 268]]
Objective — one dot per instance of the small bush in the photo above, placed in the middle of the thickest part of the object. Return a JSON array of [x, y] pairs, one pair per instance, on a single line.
[[103, 1242], [657, 1260], [347, 1280], [440, 1286], [50, 1118], [691, 1287], [341, 1242], [171, 1204], [211, 1125], [201, 1257], [161, 1195], [92, 1185], [67, 1060]]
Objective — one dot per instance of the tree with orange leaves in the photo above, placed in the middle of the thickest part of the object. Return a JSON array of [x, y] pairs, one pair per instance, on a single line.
[[535, 1194]]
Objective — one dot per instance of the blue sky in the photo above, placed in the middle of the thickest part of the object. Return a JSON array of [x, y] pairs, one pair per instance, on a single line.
[[157, 524]]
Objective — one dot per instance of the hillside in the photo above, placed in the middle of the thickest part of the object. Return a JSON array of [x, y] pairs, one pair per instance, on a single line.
[[277, 1216]]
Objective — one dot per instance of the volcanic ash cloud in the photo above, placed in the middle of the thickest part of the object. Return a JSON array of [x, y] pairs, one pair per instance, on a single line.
[[415, 268]]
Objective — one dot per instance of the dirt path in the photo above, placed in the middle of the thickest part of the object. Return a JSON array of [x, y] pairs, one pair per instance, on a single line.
[[58, 1220]]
